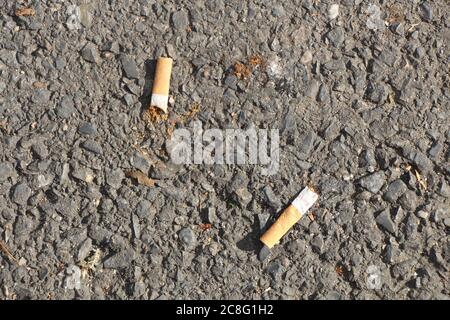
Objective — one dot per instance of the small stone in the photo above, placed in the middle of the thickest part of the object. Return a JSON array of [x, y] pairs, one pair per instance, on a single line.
[[92, 146], [324, 95], [444, 189], [447, 222], [412, 225], [140, 27], [43, 181], [336, 36], [377, 93], [84, 249], [166, 215], [129, 100], [419, 53], [418, 158], [274, 68], [391, 253], [143, 209], [21, 193], [398, 28], [373, 182], [278, 11], [435, 150], [426, 11], [423, 214], [385, 221], [275, 269], [83, 174], [211, 215], [114, 178], [180, 20], [23, 226], [73, 280], [333, 11], [312, 89], [111, 46], [66, 107], [375, 22], [409, 200], [85, 14], [395, 190], [73, 21], [263, 253], [2, 86], [90, 53], [6, 171], [275, 44], [136, 226], [263, 218], [317, 244], [140, 162], [306, 57], [60, 63], [22, 261], [134, 88], [40, 96], [306, 144], [187, 237], [87, 129], [271, 198], [40, 150], [120, 260], [243, 197], [129, 67]]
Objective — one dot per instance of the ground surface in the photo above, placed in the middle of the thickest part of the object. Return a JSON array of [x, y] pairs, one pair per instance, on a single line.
[[363, 111]]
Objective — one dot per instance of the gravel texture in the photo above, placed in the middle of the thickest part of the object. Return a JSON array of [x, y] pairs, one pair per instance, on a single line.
[[359, 90]]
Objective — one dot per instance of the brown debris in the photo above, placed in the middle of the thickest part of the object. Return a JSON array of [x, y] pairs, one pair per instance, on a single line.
[[155, 114], [90, 262], [241, 70], [255, 60], [39, 85], [141, 178], [395, 14], [341, 271], [25, 12], [205, 226], [195, 109], [4, 248], [421, 181]]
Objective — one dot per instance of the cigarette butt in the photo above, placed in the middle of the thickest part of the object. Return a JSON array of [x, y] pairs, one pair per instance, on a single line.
[[289, 217], [161, 83]]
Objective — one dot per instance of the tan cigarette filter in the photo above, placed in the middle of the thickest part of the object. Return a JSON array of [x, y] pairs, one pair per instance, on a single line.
[[290, 216], [161, 83]]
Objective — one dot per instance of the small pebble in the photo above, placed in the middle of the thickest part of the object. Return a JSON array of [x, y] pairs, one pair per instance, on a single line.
[[423, 214], [187, 237], [90, 53], [333, 11], [87, 129], [306, 57]]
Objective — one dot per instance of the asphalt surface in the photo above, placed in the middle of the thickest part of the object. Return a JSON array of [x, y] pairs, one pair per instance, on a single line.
[[359, 93]]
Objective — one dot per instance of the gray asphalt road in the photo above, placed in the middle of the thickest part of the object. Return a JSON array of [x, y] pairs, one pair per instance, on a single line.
[[358, 92]]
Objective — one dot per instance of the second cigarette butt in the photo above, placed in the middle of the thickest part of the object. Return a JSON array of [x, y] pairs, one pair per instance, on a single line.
[[290, 216]]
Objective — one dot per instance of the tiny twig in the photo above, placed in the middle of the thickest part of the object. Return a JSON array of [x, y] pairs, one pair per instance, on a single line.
[[4, 248]]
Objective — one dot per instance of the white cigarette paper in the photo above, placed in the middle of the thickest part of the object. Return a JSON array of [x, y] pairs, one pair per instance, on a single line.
[[305, 200]]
